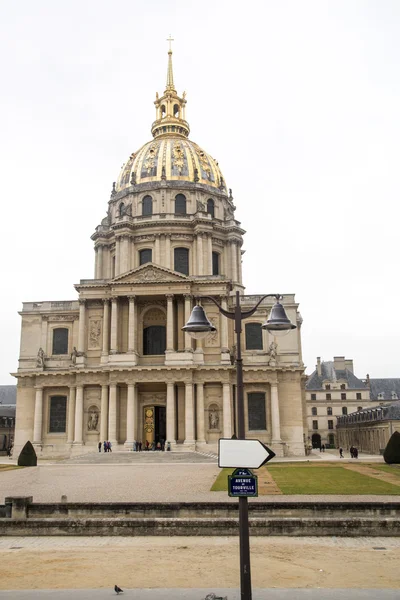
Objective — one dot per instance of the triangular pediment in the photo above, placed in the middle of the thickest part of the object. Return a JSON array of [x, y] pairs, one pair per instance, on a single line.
[[149, 273]]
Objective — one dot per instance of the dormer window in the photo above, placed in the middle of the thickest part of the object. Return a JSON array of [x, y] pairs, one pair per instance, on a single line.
[[328, 386], [394, 396], [342, 386], [381, 396]]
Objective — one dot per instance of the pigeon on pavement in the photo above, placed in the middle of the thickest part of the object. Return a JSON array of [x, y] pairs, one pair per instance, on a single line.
[[118, 590]]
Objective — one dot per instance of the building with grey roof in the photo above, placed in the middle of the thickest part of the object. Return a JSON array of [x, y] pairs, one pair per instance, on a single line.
[[8, 394], [332, 390], [384, 390], [369, 429]]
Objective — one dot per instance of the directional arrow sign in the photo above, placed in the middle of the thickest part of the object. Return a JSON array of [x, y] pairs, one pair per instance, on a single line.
[[250, 454]]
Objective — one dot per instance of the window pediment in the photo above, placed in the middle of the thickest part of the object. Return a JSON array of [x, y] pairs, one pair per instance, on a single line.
[[149, 272]]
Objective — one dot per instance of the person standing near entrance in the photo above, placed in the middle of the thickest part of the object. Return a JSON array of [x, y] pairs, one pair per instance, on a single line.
[[99, 446]]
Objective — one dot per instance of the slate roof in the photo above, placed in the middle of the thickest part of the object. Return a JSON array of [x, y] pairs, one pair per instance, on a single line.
[[7, 411], [329, 373], [390, 412], [385, 387], [8, 394]]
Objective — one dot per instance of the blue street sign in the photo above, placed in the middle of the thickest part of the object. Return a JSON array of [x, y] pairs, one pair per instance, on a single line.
[[242, 482]]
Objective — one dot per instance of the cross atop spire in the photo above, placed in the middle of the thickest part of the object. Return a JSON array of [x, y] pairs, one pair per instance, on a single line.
[[170, 73]]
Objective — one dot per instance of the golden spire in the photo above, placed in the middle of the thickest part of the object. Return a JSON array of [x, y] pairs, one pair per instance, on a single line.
[[170, 73], [170, 108]]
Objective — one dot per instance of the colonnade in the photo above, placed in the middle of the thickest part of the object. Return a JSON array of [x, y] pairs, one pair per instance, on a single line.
[[109, 410], [127, 255], [111, 316]]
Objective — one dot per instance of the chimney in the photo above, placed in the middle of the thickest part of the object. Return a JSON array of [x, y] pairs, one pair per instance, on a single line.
[[339, 363], [349, 365], [367, 381], [318, 367]]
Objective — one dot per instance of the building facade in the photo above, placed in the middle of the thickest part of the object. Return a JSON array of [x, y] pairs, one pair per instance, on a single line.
[[332, 390], [369, 429], [115, 364]]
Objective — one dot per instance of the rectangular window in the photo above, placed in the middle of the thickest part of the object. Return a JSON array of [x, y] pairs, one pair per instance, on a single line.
[[215, 263], [256, 410], [145, 256], [181, 260], [344, 410], [253, 333], [314, 411], [60, 341], [329, 410], [330, 424], [329, 396], [343, 396], [358, 396], [313, 396], [58, 414], [315, 424]]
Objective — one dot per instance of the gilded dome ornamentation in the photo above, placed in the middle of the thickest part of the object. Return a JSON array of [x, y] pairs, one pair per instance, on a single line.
[[170, 156]]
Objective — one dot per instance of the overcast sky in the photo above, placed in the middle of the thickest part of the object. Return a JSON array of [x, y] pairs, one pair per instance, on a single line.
[[297, 100]]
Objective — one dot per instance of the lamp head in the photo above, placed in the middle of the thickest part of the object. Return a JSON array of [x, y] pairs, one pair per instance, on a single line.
[[198, 326], [278, 323]]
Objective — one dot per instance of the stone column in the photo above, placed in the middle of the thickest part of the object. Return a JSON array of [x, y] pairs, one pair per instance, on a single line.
[[106, 325], [117, 257], [200, 270], [188, 310], [79, 415], [223, 323], [132, 324], [99, 263], [171, 413], [104, 414], [71, 414], [112, 414], [38, 417], [170, 323], [81, 330], [200, 412], [209, 269], [114, 325], [168, 251], [131, 416], [189, 414], [234, 276], [275, 420], [157, 249], [227, 410]]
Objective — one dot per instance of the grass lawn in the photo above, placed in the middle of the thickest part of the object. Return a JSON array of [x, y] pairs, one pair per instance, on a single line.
[[321, 479], [394, 469]]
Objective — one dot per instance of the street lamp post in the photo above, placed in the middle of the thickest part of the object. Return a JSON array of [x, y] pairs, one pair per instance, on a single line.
[[199, 326]]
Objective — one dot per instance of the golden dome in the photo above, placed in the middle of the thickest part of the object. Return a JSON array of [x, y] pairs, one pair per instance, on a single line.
[[170, 158]]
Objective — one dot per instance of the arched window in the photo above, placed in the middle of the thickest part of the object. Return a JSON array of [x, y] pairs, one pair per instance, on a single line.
[[163, 111], [121, 209], [145, 256], [176, 110], [154, 339], [180, 204], [60, 341], [256, 410], [210, 207], [215, 263], [181, 260], [147, 206], [253, 336], [58, 414]]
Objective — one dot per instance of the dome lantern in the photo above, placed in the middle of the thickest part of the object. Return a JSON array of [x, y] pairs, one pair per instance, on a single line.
[[170, 108]]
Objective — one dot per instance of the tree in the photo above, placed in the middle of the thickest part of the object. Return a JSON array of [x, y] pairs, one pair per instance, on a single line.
[[27, 457], [392, 450]]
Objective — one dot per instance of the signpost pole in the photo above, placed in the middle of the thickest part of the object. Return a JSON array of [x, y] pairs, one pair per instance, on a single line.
[[244, 541]]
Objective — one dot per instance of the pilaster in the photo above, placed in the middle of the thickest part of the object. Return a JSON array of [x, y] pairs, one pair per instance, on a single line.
[[38, 417]]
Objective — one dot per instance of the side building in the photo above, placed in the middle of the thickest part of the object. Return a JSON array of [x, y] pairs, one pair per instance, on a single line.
[[114, 364], [332, 390]]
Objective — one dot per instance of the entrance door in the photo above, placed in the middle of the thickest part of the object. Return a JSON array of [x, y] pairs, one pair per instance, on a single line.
[[160, 424], [316, 440]]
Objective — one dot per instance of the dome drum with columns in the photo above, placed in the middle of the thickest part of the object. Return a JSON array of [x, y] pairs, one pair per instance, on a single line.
[[115, 364]]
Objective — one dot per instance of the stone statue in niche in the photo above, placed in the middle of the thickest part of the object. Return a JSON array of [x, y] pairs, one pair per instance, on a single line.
[[272, 352], [74, 354], [40, 358], [94, 333], [201, 207], [93, 421], [213, 419]]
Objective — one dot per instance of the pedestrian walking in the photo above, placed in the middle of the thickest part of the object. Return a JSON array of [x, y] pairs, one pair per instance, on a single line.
[[341, 452], [323, 447], [105, 446], [109, 447], [351, 451], [140, 446], [99, 446], [134, 446], [355, 452]]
